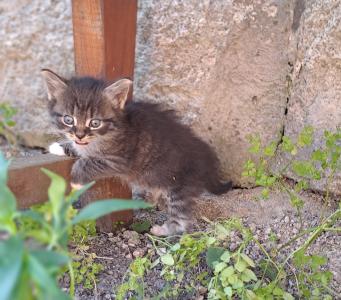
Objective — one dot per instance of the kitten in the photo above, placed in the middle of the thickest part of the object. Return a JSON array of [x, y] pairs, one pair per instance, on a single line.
[[139, 142]]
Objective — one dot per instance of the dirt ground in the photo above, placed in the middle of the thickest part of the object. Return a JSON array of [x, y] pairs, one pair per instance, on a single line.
[[275, 216]]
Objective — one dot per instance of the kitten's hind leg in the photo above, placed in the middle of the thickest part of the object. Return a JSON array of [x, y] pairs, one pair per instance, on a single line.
[[179, 210]]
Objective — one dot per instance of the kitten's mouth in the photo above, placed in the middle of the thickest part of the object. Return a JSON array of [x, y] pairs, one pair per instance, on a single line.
[[81, 143]]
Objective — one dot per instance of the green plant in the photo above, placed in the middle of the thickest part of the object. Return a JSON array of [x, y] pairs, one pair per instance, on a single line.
[[232, 274], [226, 273], [135, 283], [7, 113], [323, 162], [32, 258], [86, 270]]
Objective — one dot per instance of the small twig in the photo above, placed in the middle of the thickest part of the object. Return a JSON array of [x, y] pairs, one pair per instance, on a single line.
[[296, 237], [95, 288], [104, 257], [337, 229]]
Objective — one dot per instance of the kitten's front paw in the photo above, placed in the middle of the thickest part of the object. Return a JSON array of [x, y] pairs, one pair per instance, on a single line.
[[160, 230], [76, 186], [56, 149]]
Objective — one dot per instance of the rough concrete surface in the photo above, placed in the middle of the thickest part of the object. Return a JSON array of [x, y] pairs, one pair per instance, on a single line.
[[316, 80], [33, 35], [228, 67], [222, 64]]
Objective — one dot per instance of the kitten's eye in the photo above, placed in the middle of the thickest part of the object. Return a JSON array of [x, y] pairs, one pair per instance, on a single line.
[[95, 123], [68, 120]]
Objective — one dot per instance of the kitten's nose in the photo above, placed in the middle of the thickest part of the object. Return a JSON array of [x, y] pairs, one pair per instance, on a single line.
[[80, 135]]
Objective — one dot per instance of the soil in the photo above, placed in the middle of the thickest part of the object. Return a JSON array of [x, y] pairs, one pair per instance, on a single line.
[[266, 219]]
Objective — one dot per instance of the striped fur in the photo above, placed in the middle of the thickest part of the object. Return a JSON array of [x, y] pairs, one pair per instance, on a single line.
[[140, 142]]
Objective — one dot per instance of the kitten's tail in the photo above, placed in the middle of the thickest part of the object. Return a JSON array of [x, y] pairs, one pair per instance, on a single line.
[[219, 188]]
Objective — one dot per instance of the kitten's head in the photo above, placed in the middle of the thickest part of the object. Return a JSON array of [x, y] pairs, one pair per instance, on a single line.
[[85, 109]]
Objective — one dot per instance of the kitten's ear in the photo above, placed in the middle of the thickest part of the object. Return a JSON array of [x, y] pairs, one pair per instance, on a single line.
[[118, 92], [54, 83]]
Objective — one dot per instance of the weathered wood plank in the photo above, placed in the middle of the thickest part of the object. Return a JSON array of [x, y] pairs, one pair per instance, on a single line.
[[30, 185]]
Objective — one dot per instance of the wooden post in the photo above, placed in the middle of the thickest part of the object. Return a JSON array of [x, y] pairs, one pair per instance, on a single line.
[[104, 37], [104, 40]]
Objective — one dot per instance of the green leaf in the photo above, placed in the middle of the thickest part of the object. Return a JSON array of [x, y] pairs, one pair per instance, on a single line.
[[213, 254], [10, 123], [75, 194], [11, 263], [56, 193], [269, 269], [57, 187], [228, 291], [270, 149], [305, 169], [305, 138], [167, 259], [50, 259], [211, 240], [317, 261], [287, 296], [233, 279], [300, 259], [319, 155], [7, 199], [175, 247], [219, 267], [250, 295], [222, 232], [227, 272], [141, 227], [296, 201], [100, 208], [255, 144], [248, 275], [265, 193], [248, 260], [44, 280], [240, 265], [301, 185], [277, 291], [225, 256], [288, 146]]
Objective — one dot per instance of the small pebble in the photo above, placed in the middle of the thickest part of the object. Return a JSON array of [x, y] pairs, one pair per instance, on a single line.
[[139, 252], [202, 290]]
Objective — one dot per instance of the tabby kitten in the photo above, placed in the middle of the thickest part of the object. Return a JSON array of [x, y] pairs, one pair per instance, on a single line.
[[139, 142]]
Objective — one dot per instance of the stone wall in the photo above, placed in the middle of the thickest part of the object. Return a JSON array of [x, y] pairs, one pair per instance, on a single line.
[[315, 97], [222, 64], [33, 35], [230, 68]]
